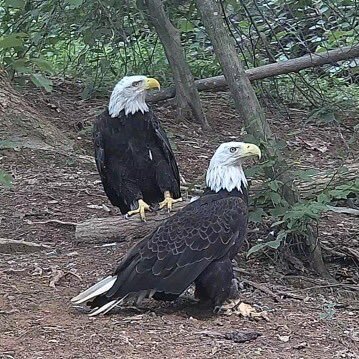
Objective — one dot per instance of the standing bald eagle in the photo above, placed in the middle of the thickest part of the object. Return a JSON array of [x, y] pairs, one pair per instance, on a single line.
[[133, 155], [196, 244]]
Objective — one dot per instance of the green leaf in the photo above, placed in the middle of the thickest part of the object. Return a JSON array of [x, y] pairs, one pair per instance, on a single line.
[[256, 215], [12, 41], [271, 244], [16, 4], [275, 198], [43, 64], [278, 211], [256, 248], [5, 144], [277, 223], [185, 26], [5, 179], [41, 81], [74, 3], [273, 185], [323, 198], [21, 66]]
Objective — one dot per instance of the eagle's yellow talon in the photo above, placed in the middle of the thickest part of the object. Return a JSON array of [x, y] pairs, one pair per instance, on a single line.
[[142, 208], [169, 201]]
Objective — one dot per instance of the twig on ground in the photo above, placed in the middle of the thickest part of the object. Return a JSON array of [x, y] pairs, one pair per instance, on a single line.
[[289, 294], [262, 288], [236, 336], [242, 271], [59, 274], [56, 278], [56, 221], [350, 286], [333, 251]]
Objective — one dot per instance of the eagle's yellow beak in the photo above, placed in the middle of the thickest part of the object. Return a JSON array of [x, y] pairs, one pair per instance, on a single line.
[[151, 83], [249, 150]]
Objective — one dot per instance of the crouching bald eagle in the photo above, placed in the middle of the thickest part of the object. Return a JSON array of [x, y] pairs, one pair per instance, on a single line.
[[196, 244], [132, 152]]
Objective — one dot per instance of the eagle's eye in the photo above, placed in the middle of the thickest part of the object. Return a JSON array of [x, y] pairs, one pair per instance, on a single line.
[[233, 149], [136, 83]]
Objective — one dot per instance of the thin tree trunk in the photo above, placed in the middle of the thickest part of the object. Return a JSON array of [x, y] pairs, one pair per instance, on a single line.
[[218, 83], [187, 97], [245, 99], [248, 107]]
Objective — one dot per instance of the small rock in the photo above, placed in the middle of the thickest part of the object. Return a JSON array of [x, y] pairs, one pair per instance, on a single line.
[[300, 346], [284, 338]]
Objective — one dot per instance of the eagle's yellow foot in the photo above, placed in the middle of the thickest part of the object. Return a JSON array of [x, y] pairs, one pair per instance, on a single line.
[[142, 207], [169, 201]]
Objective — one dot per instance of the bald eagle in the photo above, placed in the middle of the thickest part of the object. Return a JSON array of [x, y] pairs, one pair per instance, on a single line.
[[196, 244], [132, 152]]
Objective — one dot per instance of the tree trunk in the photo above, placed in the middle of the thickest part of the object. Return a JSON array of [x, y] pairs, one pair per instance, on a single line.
[[22, 126], [248, 107], [245, 99], [218, 83], [187, 96]]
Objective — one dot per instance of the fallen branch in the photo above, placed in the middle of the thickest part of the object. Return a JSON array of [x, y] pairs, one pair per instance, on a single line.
[[236, 336], [332, 285], [118, 229], [279, 68], [56, 221], [13, 246], [345, 210], [262, 288]]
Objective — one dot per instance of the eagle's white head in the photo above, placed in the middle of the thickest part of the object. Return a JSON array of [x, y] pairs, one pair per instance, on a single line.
[[225, 169], [130, 94]]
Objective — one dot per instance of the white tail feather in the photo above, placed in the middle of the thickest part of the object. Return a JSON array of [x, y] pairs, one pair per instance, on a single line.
[[97, 289], [107, 307], [152, 293]]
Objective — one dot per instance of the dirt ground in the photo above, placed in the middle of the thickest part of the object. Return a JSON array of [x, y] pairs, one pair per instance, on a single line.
[[307, 316]]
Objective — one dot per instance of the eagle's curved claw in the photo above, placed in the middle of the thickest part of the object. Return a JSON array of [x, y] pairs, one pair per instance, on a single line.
[[142, 207], [169, 201]]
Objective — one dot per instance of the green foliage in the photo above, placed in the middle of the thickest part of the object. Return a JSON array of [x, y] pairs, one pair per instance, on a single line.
[[286, 29], [329, 311], [290, 220], [5, 179], [98, 42]]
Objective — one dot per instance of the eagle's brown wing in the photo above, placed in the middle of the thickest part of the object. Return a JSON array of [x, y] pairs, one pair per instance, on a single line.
[[173, 256]]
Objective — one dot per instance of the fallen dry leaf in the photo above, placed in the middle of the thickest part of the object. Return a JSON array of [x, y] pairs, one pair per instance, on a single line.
[[243, 309], [57, 274]]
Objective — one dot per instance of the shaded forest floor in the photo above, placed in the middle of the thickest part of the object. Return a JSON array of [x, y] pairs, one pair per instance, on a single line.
[[308, 318]]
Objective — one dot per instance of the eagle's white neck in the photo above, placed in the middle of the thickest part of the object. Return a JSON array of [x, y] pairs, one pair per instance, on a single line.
[[131, 102], [225, 177]]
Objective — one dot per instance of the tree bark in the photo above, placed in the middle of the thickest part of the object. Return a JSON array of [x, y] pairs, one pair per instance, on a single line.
[[187, 97], [118, 229], [218, 83], [248, 107], [245, 99]]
